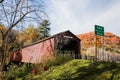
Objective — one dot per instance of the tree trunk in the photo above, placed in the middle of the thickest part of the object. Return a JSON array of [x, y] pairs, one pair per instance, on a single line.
[[3, 54], [2, 60]]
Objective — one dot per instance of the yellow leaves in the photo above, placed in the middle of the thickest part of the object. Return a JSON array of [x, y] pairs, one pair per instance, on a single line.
[[30, 32], [28, 35], [2, 30], [1, 27]]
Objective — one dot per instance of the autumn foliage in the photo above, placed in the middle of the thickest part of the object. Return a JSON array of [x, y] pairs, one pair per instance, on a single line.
[[110, 40]]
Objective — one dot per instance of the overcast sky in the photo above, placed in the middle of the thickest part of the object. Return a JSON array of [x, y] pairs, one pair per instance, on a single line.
[[80, 16]]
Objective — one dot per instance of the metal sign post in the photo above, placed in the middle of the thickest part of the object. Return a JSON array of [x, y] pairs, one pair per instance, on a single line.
[[99, 30], [95, 47], [103, 48]]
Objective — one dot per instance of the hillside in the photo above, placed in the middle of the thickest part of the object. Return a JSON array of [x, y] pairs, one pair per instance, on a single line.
[[110, 40], [73, 70], [82, 70]]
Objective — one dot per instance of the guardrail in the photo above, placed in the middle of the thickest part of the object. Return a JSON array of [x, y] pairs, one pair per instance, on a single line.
[[107, 57]]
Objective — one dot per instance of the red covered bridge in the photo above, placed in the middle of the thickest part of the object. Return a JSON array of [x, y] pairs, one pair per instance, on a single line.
[[34, 53]]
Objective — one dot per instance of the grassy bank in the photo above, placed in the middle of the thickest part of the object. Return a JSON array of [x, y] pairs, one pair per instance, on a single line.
[[76, 70], [84, 70]]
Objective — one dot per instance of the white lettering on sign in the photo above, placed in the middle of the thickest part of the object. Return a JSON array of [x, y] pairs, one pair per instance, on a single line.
[[68, 37]]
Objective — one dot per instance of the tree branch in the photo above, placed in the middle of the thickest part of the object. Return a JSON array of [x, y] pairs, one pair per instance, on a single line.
[[5, 13], [17, 4], [13, 25]]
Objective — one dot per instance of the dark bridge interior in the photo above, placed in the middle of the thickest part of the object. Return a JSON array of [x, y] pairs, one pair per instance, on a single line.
[[68, 45]]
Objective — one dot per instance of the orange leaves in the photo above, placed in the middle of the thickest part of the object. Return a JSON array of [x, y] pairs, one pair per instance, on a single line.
[[98, 41], [87, 39]]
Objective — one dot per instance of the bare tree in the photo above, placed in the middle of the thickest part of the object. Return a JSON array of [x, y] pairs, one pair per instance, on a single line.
[[15, 14]]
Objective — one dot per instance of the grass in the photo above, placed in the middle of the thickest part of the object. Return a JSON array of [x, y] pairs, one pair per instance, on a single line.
[[84, 70], [73, 70]]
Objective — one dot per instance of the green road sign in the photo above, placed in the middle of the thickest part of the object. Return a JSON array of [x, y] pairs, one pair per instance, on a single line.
[[99, 30]]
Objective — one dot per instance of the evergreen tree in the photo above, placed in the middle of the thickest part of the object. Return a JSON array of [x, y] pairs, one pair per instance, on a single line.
[[44, 29]]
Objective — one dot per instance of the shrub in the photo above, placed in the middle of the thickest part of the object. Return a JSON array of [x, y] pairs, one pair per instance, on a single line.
[[16, 71], [57, 59], [35, 71]]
